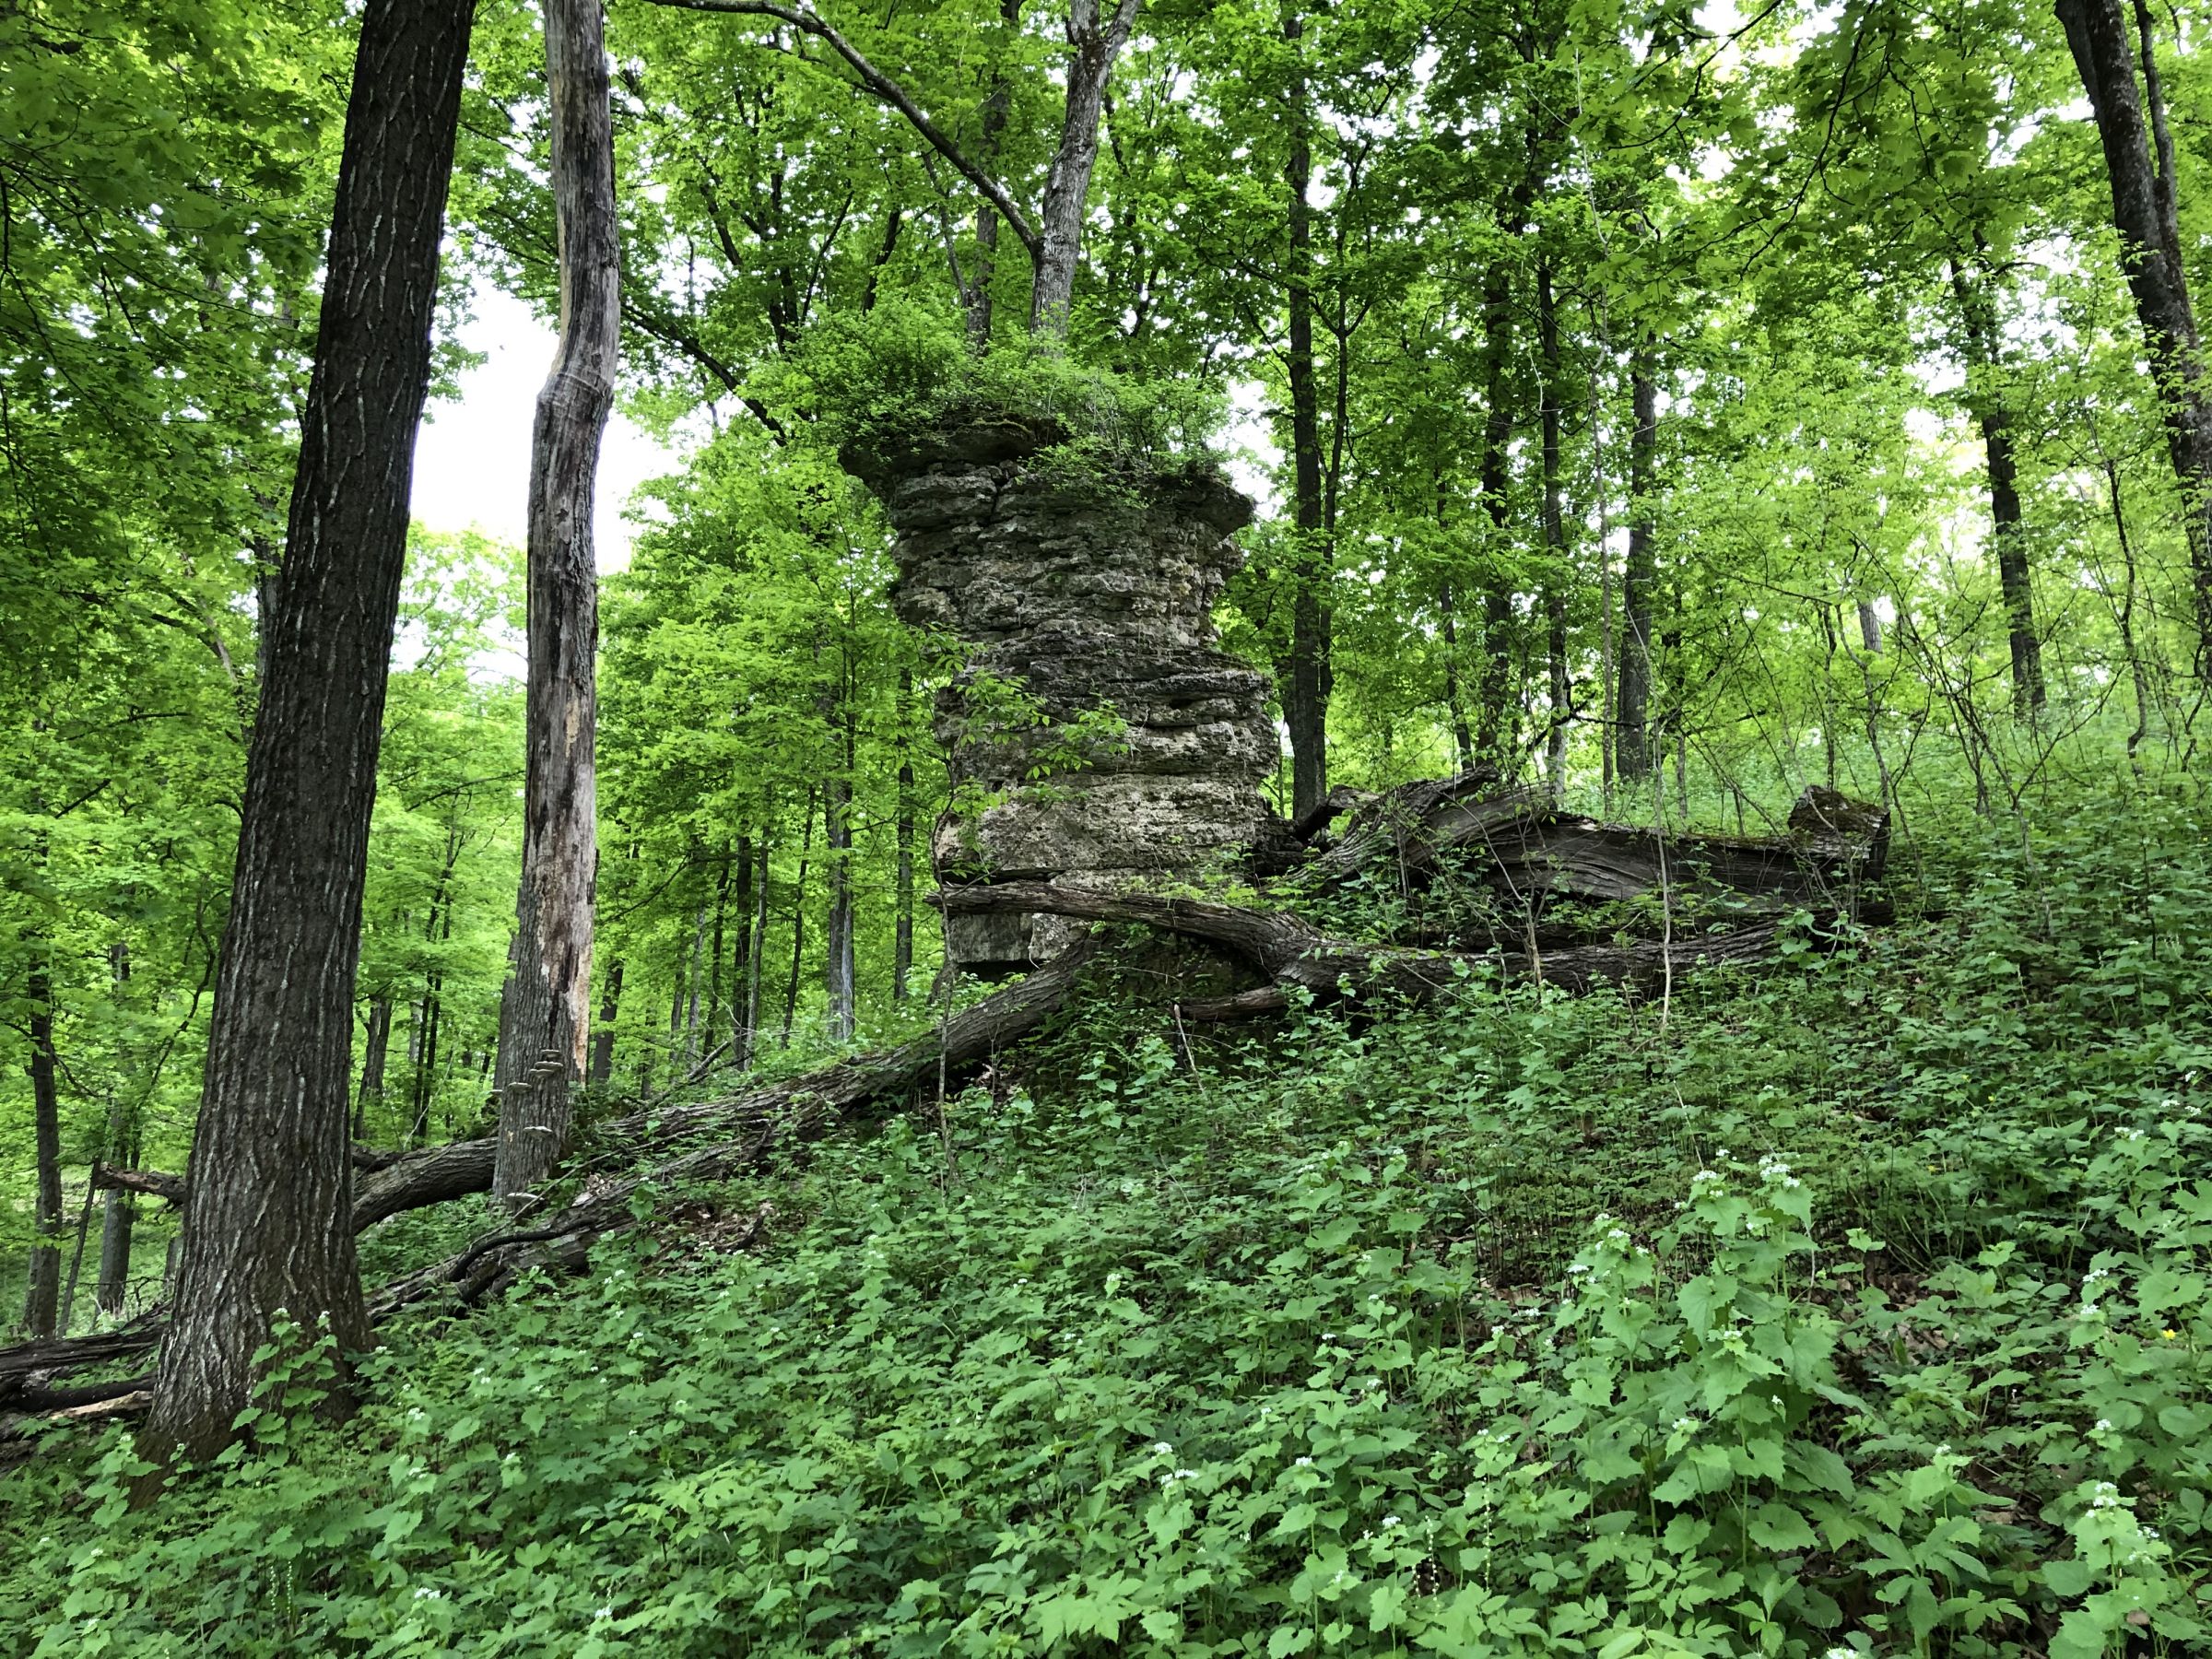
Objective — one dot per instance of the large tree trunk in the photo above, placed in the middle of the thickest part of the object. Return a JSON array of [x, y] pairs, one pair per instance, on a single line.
[[42, 1299], [267, 1221], [1096, 41], [1639, 579], [548, 1007], [2007, 535], [1305, 676], [2144, 212]]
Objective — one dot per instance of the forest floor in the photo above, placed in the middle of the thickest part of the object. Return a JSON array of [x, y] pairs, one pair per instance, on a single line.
[[1860, 1307]]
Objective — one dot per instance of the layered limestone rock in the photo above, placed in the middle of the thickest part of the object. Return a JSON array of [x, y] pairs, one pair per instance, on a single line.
[[1103, 737]]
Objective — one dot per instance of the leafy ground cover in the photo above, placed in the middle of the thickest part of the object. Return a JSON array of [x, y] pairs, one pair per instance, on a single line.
[[1857, 1310]]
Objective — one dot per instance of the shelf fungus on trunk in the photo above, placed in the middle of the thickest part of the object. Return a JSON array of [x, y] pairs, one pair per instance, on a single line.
[[1098, 737]]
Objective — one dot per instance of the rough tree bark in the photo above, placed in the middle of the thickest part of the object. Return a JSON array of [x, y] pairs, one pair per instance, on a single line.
[[2144, 212], [42, 1297], [1305, 676], [548, 1003], [2007, 534], [1095, 42], [266, 1224], [1640, 580]]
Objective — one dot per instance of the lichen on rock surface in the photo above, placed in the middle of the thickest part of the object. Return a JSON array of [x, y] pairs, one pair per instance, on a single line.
[[1084, 580]]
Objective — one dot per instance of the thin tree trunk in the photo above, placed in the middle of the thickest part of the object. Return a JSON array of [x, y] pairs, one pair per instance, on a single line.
[[798, 923], [1306, 676], [374, 1058], [902, 924], [2007, 534], [1493, 702], [42, 1300], [741, 961], [119, 1212], [1870, 627], [756, 949], [269, 1192], [686, 995], [1558, 573], [603, 1033], [998, 105], [2144, 212], [1632, 732], [722, 906], [1096, 42], [547, 1009]]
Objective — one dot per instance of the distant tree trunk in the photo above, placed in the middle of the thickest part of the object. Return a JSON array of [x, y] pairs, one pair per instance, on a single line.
[[1096, 43], [268, 1207], [1870, 627], [902, 935], [2144, 212], [722, 905], [837, 866], [1306, 676], [798, 923], [603, 1033], [2007, 534], [548, 1008], [687, 990], [1557, 573], [741, 958], [1493, 715], [42, 1300], [998, 105], [1632, 732], [119, 1212], [376, 1056], [756, 949], [1462, 736]]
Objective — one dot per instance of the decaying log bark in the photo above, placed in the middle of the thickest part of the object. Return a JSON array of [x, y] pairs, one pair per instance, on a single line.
[[1294, 955], [153, 1183], [1526, 851]]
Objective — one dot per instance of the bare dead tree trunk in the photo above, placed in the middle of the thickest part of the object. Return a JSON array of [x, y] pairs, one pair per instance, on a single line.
[[266, 1217], [1640, 578], [1096, 41], [42, 1299], [2144, 213], [547, 1006], [1978, 309]]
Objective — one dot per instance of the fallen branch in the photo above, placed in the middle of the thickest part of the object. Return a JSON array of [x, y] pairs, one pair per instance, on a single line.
[[153, 1183]]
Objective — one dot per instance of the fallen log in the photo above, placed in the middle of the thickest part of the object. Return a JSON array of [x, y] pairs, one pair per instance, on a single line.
[[1292, 953], [763, 1120], [1527, 851], [750, 1125]]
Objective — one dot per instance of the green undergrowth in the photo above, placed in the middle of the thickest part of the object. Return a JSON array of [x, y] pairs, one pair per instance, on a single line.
[[1858, 1309]]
